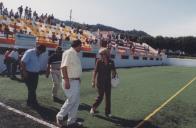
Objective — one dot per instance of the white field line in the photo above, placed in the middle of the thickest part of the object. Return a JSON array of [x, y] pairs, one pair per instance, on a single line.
[[28, 116]]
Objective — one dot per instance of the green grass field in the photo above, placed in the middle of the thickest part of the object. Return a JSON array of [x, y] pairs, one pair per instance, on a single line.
[[141, 91]]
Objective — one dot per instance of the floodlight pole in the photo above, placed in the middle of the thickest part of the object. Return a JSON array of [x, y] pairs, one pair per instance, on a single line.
[[70, 16]]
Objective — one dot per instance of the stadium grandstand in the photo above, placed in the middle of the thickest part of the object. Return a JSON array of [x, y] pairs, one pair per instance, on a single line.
[[24, 30]]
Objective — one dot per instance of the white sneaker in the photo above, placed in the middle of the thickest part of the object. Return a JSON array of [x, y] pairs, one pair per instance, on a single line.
[[92, 111], [108, 115]]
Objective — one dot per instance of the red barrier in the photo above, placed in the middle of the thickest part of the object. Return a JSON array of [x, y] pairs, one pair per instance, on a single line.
[[7, 41]]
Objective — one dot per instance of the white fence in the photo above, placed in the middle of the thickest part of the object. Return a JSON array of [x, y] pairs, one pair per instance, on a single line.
[[181, 62]]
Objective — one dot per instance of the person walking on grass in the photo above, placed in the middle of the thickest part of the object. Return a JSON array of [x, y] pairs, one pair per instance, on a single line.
[[14, 57], [103, 71], [53, 67], [71, 70], [31, 66], [7, 61]]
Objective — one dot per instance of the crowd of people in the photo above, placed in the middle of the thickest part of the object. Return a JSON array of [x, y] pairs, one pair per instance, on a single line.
[[26, 13], [112, 39], [66, 70], [64, 66], [12, 58]]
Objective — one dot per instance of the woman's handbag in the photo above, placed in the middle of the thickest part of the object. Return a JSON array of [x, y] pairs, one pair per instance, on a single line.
[[115, 81]]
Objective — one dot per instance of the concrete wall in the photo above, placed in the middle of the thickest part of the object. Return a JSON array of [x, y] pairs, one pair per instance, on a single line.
[[89, 63], [181, 62]]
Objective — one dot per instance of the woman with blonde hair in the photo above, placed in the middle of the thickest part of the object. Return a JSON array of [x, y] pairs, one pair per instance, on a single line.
[[102, 74]]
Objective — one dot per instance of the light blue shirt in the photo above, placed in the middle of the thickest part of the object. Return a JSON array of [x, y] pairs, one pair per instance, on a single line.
[[32, 60]]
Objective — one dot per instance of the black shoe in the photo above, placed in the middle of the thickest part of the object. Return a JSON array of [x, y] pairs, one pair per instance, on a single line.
[[13, 76], [75, 125], [56, 99], [33, 104], [60, 123]]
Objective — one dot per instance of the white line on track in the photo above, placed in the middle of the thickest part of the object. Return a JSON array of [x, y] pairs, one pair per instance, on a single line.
[[28, 116]]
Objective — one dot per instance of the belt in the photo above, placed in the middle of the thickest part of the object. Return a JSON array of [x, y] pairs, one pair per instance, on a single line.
[[74, 78], [55, 69]]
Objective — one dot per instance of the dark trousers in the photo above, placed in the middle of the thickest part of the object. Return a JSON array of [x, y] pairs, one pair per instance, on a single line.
[[8, 67], [31, 82], [1, 11], [14, 67], [104, 90]]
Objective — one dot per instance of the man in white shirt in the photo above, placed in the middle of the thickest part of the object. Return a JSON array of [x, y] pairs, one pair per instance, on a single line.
[[71, 71]]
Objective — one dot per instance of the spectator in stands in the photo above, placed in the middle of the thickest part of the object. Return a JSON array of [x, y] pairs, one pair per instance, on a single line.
[[29, 13], [1, 8], [6, 31], [33, 21], [103, 71], [21, 31], [133, 50], [35, 14], [26, 13], [61, 40], [11, 13], [15, 27], [54, 38], [54, 62], [71, 72], [63, 24], [67, 38], [5, 12], [20, 10], [1, 29], [104, 44], [16, 16], [45, 18], [30, 64], [14, 62]]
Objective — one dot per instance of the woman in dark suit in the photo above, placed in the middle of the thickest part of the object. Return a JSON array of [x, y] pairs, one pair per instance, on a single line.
[[102, 74]]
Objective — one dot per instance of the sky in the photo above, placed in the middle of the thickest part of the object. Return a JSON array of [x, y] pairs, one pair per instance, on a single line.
[[172, 18]]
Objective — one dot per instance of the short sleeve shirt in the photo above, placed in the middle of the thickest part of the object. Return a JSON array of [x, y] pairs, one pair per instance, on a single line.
[[71, 60], [104, 72], [55, 61], [32, 60]]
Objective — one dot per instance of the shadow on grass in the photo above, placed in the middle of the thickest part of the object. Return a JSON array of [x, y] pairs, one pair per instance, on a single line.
[[17, 79], [118, 121], [84, 107], [125, 123], [47, 113]]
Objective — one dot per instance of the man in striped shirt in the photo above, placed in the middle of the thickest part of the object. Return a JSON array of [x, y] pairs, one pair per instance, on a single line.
[[54, 63]]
